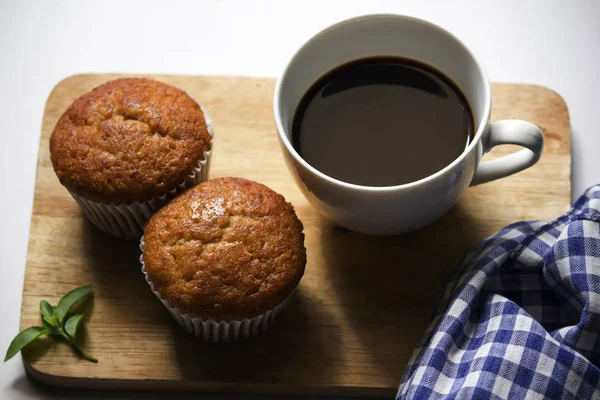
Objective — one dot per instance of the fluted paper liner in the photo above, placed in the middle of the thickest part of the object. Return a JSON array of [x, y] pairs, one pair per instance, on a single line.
[[126, 221], [218, 330]]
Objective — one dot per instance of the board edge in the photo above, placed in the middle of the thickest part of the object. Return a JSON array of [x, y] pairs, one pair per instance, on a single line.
[[70, 382]]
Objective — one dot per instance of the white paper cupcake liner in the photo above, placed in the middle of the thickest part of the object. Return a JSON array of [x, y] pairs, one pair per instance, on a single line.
[[127, 221], [214, 330]]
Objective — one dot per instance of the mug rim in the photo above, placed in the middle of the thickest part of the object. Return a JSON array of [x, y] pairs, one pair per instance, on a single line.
[[476, 138]]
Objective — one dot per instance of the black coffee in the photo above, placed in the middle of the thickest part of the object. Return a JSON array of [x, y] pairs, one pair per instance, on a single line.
[[382, 121]]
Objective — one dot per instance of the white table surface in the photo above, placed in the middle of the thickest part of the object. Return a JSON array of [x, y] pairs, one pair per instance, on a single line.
[[546, 42]]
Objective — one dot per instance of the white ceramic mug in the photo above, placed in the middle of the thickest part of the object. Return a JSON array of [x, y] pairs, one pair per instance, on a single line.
[[402, 208]]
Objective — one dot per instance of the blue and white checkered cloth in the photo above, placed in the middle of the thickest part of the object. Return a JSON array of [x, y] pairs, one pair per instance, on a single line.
[[520, 317]]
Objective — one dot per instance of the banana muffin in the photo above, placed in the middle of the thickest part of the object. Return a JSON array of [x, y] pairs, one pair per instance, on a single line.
[[224, 257], [123, 147]]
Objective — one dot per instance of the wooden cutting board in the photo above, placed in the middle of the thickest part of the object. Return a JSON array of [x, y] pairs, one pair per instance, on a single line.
[[360, 308]]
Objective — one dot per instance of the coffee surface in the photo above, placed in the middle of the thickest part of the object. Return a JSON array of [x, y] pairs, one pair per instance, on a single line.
[[382, 122]]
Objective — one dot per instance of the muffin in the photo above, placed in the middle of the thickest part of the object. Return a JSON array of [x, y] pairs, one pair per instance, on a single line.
[[224, 257], [122, 149]]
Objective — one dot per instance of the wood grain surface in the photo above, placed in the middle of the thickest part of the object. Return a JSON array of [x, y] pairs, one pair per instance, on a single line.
[[359, 310]]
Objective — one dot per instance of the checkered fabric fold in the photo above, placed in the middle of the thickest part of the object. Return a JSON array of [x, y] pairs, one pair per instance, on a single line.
[[520, 317]]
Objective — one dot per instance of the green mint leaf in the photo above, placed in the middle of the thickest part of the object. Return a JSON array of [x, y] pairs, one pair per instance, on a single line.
[[65, 304], [72, 325], [74, 344], [47, 311], [53, 319], [49, 323], [23, 339]]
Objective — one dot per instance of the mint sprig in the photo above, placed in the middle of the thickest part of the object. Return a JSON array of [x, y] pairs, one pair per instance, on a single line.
[[56, 323]]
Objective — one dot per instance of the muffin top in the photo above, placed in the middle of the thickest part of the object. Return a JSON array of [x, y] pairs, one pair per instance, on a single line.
[[227, 248], [128, 140]]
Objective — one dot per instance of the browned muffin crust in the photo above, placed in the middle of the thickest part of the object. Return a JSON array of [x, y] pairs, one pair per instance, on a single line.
[[128, 140], [225, 249]]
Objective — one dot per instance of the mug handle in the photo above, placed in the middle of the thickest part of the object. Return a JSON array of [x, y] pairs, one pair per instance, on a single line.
[[510, 131]]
